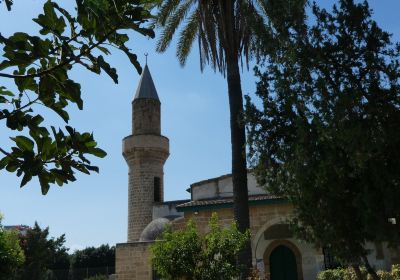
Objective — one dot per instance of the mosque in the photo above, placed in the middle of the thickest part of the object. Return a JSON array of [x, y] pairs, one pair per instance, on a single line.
[[276, 253]]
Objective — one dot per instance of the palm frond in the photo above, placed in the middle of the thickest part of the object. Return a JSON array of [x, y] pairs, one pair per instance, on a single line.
[[167, 8], [210, 42], [251, 27], [223, 28], [187, 37], [203, 48], [172, 23]]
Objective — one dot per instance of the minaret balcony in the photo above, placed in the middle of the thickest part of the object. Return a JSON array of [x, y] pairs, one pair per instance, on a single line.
[[134, 144]]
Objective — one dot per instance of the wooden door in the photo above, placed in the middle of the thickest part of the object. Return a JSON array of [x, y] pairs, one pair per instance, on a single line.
[[283, 264]]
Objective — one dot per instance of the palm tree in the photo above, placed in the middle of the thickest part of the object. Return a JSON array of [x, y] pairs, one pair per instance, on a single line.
[[225, 30]]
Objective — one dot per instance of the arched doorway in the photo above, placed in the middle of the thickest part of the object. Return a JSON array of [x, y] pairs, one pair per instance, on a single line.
[[282, 260], [282, 264]]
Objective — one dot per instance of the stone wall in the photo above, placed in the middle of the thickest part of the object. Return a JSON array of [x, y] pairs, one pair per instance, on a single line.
[[146, 118], [262, 217], [141, 197], [133, 261], [145, 156]]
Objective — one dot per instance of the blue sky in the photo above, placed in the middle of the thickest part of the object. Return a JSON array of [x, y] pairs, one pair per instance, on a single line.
[[195, 118]]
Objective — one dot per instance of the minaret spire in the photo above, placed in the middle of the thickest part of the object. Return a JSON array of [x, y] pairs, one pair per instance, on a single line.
[[145, 152], [146, 88]]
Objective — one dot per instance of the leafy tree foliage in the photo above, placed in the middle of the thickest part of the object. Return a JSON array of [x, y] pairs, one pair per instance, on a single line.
[[185, 254], [39, 65], [11, 254], [98, 277], [326, 134], [91, 257], [42, 254]]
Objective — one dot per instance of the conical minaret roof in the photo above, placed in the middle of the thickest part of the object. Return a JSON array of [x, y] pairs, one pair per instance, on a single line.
[[146, 88]]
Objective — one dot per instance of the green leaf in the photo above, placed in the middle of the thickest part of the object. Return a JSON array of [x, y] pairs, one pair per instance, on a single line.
[[44, 184], [12, 166], [19, 40], [60, 176], [27, 177], [97, 152], [132, 58], [4, 91], [70, 130], [36, 120], [104, 50], [119, 39], [40, 48], [112, 72], [62, 113], [5, 64], [49, 21], [91, 144], [25, 83], [4, 161], [93, 168], [73, 91], [24, 143]]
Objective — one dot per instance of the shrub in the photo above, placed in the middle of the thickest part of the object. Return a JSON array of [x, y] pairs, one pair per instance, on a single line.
[[385, 275], [348, 274], [98, 277], [186, 254], [396, 271], [331, 274], [254, 274]]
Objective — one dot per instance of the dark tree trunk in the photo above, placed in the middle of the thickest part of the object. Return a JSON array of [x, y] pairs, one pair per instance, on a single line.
[[239, 167], [369, 268]]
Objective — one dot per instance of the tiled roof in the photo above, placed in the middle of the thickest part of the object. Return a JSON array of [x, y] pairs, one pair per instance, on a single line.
[[211, 180], [202, 182], [175, 202], [229, 200]]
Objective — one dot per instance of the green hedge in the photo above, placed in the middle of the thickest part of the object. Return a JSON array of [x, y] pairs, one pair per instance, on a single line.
[[348, 274], [98, 277]]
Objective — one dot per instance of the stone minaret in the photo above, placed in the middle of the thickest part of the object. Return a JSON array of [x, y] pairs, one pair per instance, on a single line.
[[145, 152]]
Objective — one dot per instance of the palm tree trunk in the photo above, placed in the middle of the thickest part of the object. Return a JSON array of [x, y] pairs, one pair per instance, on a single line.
[[239, 167], [370, 269]]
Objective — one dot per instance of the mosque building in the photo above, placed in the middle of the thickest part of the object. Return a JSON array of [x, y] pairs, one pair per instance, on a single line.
[[275, 251]]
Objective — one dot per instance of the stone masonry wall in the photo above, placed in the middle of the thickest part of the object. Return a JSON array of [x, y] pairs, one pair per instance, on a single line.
[[146, 117], [143, 168], [133, 261], [259, 215]]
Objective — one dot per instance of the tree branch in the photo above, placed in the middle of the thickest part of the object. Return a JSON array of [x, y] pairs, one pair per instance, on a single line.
[[49, 70], [21, 108], [10, 155]]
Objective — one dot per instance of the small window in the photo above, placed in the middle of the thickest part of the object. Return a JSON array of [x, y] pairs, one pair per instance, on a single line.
[[157, 189]]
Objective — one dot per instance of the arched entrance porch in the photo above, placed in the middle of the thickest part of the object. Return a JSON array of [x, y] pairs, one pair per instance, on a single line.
[[282, 261]]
